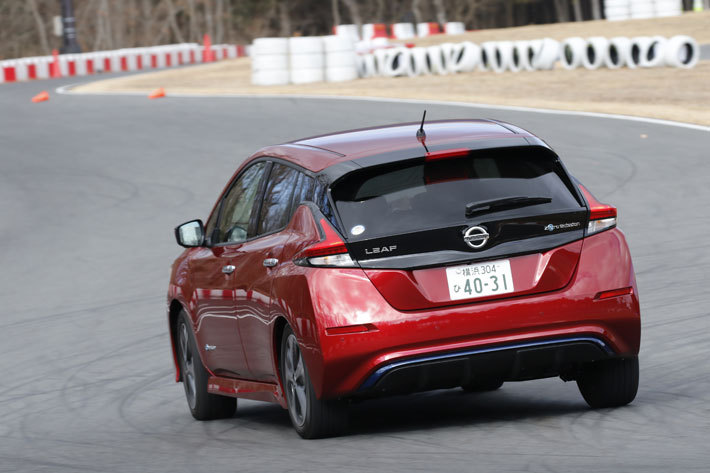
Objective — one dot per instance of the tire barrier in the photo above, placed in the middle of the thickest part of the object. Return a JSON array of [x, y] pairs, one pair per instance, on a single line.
[[340, 61], [351, 31], [669, 8], [615, 10], [523, 53], [654, 56], [639, 50], [464, 57], [454, 27], [547, 53], [418, 59], [641, 9], [436, 61], [503, 57], [270, 61], [398, 63], [619, 53], [681, 51], [488, 53], [306, 59], [572, 52], [595, 52]]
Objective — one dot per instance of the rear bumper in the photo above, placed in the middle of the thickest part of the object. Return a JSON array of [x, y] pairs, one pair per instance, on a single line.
[[508, 362], [404, 347]]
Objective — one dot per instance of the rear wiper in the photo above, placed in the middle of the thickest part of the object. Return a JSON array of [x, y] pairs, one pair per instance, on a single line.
[[476, 208]]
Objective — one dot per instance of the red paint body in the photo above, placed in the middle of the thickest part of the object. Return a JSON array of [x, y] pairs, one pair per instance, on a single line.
[[378, 316]]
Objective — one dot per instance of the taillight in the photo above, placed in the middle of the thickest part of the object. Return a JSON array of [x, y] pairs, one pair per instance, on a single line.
[[329, 252], [446, 154], [601, 216]]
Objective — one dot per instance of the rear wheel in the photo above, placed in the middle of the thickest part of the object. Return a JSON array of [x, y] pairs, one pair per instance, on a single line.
[[203, 405], [609, 383], [310, 416]]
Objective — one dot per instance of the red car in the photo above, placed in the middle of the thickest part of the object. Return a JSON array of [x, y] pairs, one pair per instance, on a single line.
[[399, 259]]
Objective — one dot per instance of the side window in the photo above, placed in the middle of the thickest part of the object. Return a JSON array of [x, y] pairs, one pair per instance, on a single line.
[[238, 205], [303, 192], [321, 199], [276, 209]]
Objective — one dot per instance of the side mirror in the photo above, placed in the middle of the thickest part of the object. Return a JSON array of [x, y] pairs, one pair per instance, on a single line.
[[190, 234]]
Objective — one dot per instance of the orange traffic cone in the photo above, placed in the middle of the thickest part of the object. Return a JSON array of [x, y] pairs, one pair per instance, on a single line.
[[54, 69], [41, 97], [157, 93]]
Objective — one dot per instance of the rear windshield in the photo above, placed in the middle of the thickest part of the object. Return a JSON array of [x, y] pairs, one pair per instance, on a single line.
[[403, 198]]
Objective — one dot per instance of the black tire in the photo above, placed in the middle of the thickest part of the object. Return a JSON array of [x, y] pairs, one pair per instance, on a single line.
[[203, 405], [609, 383], [482, 386], [311, 417]]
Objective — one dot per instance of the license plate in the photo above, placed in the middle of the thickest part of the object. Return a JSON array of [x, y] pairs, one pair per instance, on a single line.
[[479, 280]]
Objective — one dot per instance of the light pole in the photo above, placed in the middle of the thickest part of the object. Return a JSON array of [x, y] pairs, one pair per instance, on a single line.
[[69, 46]]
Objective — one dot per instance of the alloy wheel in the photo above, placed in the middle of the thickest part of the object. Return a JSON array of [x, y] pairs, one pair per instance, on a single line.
[[188, 367], [295, 380]]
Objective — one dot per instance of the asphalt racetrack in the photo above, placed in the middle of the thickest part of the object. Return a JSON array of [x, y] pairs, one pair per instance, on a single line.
[[90, 190]]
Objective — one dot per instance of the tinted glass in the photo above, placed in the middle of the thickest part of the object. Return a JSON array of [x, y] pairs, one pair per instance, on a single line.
[[238, 205], [303, 192], [407, 198], [276, 209]]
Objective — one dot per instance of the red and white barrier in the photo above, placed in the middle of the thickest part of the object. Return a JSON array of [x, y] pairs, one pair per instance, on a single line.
[[374, 30], [427, 29], [120, 60]]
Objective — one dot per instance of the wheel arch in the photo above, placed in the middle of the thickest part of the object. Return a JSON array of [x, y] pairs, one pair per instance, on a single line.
[[279, 326], [174, 310]]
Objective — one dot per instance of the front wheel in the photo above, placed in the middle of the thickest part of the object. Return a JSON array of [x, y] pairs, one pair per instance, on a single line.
[[609, 383], [310, 416], [202, 404]]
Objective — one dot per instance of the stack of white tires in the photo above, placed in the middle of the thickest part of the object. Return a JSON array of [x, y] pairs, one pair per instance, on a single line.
[[306, 59], [454, 27], [642, 9], [669, 8], [270, 61], [340, 59], [616, 10], [351, 31]]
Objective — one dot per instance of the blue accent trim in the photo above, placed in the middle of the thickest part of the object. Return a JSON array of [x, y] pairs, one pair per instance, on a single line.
[[372, 380]]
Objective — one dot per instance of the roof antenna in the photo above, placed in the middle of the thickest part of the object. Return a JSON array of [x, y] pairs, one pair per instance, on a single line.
[[421, 134]]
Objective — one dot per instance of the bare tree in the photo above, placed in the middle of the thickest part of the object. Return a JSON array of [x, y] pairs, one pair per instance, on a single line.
[[597, 9], [577, 7], [41, 32], [335, 8], [416, 11], [562, 10], [172, 21], [354, 11], [440, 11]]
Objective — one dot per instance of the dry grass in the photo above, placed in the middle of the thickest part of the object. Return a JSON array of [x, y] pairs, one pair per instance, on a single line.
[[672, 94]]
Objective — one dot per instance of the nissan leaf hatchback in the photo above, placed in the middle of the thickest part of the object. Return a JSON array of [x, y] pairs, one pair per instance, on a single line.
[[398, 259]]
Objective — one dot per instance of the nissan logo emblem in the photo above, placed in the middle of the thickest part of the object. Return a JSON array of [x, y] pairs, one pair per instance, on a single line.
[[476, 237]]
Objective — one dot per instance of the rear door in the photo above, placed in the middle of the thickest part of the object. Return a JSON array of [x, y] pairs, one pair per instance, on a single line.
[[258, 264], [484, 225]]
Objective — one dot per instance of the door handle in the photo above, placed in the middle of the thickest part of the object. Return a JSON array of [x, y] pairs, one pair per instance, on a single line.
[[270, 262], [229, 269]]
